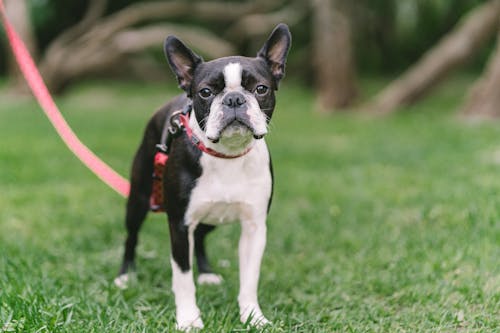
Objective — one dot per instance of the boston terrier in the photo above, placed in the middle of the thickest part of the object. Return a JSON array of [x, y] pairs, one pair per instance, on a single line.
[[218, 169]]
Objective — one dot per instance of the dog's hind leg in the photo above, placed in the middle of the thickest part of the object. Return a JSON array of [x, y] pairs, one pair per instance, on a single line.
[[137, 209], [206, 274]]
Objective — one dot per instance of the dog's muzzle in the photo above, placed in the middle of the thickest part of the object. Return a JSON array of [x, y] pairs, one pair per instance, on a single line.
[[235, 115]]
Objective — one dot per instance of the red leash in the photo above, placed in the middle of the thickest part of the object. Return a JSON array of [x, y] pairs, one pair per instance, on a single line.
[[39, 89]]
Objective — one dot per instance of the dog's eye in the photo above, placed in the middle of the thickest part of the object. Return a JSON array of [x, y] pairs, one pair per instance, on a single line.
[[205, 93], [261, 90]]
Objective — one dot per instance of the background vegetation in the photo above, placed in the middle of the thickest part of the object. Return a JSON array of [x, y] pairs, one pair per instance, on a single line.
[[390, 35]]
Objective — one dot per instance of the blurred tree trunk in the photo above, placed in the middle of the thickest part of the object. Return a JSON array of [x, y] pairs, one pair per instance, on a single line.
[[484, 96], [332, 55], [453, 50], [18, 14]]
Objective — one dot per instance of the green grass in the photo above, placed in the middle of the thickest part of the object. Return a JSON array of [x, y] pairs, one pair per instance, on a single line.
[[378, 224]]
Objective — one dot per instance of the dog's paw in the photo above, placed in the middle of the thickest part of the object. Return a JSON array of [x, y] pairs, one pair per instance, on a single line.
[[252, 315], [122, 281], [187, 323], [210, 278], [257, 321]]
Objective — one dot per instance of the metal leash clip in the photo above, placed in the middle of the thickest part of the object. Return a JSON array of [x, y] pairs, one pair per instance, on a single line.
[[175, 123]]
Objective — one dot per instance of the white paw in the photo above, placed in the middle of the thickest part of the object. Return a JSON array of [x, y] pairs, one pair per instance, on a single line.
[[252, 315], [209, 278], [189, 325], [122, 281], [189, 320]]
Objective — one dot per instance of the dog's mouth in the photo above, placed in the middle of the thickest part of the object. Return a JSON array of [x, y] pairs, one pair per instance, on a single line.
[[237, 127]]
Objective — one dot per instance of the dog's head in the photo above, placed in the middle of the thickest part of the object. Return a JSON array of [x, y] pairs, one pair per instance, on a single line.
[[233, 97]]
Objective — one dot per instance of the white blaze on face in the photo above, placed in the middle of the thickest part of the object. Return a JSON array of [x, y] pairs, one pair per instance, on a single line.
[[232, 76]]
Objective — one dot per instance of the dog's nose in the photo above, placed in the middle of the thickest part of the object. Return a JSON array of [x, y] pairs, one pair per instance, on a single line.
[[234, 100]]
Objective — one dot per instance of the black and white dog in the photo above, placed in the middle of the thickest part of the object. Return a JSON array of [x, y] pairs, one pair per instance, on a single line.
[[232, 100]]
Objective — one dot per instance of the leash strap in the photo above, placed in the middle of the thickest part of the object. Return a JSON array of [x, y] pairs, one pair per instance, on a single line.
[[41, 93], [171, 128], [163, 145], [156, 201]]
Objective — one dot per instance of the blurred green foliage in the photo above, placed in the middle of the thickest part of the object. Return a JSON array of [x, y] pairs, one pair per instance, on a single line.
[[51, 17]]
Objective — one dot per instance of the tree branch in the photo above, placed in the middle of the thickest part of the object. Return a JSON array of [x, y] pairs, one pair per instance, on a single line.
[[205, 10], [258, 24], [484, 96], [111, 38], [453, 50], [95, 10], [203, 41]]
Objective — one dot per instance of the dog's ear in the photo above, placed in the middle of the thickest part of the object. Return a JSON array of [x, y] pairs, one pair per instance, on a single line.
[[275, 50], [182, 60]]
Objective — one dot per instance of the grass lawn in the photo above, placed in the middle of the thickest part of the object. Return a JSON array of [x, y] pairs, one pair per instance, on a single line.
[[377, 225]]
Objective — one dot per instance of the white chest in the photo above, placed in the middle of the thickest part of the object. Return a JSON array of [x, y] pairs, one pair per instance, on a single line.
[[232, 190]]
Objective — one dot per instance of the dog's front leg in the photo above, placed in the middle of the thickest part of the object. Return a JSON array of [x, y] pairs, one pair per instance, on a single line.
[[187, 312], [251, 249]]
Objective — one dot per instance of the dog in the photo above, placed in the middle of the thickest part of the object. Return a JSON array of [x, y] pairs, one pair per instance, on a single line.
[[218, 169]]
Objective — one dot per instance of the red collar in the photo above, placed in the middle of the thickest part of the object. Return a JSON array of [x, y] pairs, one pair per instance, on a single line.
[[201, 146]]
